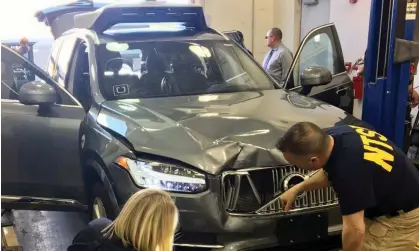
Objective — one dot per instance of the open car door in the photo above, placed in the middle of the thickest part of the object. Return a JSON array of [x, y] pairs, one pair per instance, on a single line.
[[321, 47], [61, 17], [21, 75], [235, 36], [40, 154]]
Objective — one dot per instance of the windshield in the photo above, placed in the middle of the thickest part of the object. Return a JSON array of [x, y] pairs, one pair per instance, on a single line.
[[175, 68]]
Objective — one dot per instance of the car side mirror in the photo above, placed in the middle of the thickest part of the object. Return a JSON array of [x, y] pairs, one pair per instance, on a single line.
[[37, 93], [315, 76]]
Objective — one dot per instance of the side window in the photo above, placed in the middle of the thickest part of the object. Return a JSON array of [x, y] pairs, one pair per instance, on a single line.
[[14, 73], [12, 66], [52, 62], [318, 50], [64, 59]]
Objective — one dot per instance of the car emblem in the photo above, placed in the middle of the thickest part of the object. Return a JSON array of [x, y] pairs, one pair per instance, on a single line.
[[292, 180], [119, 90]]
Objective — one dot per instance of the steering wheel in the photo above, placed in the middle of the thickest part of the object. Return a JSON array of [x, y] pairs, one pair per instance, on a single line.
[[124, 60], [168, 86]]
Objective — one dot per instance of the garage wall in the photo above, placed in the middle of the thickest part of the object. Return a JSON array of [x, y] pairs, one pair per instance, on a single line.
[[224, 15], [287, 16], [313, 16], [352, 21], [254, 18]]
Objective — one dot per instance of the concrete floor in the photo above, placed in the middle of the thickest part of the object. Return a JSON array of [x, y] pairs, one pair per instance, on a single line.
[[54, 231], [41, 231]]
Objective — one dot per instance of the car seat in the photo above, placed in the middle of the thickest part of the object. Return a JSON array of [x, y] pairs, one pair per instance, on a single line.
[[185, 79]]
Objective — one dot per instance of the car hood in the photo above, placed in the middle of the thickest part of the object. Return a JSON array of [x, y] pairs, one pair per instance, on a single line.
[[218, 131]]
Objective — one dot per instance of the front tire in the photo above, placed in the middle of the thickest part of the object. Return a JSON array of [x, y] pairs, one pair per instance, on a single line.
[[100, 203]]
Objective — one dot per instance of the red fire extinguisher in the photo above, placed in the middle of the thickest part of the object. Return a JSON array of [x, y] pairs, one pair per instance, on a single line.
[[358, 85], [357, 79]]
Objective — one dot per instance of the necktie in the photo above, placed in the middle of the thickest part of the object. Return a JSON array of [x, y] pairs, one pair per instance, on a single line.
[[265, 66]]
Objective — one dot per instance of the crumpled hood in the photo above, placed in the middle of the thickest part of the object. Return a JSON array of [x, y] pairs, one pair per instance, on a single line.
[[218, 131]]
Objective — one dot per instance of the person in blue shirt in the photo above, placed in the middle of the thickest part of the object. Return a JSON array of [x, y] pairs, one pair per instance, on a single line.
[[278, 59]]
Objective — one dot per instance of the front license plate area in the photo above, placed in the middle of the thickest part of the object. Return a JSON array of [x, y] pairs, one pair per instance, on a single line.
[[302, 228]]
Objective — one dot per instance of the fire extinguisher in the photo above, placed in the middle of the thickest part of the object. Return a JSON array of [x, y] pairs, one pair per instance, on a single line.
[[357, 79], [358, 85]]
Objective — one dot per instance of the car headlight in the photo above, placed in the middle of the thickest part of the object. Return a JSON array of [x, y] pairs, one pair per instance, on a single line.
[[150, 174]]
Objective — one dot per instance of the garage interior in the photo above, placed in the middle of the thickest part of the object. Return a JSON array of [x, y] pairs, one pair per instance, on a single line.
[[54, 231]]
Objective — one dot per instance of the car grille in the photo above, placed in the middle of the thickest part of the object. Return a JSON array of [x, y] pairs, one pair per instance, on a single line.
[[256, 190]]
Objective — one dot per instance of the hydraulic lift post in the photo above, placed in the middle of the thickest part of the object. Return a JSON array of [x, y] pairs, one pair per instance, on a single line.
[[387, 66]]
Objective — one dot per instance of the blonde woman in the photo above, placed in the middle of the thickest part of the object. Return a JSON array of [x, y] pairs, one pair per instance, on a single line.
[[147, 222]]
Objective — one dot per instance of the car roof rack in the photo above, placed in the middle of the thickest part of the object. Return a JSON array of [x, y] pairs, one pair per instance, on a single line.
[[145, 12]]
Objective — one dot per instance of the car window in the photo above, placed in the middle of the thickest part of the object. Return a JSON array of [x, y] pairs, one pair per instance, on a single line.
[[52, 62], [14, 70], [64, 59], [28, 54], [166, 68], [318, 50], [14, 73]]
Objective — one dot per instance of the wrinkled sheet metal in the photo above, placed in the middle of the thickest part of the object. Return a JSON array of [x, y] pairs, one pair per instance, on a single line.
[[233, 131]]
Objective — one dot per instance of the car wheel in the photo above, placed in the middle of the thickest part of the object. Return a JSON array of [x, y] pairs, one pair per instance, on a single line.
[[101, 206]]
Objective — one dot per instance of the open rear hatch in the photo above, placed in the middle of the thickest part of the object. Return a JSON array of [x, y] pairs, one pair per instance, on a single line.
[[61, 17], [102, 16], [234, 35]]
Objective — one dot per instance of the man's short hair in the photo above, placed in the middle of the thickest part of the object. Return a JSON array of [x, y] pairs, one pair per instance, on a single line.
[[304, 138], [276, 32]]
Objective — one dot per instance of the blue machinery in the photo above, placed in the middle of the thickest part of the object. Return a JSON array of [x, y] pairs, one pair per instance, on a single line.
[[392, 45]]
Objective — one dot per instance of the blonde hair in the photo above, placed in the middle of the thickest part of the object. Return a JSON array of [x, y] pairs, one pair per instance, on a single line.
[[147, 221]]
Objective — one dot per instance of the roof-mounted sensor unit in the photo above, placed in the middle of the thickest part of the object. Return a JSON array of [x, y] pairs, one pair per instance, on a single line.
[[102, 19]]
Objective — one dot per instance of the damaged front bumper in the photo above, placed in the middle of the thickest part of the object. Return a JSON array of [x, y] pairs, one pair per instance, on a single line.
[[211, 220]]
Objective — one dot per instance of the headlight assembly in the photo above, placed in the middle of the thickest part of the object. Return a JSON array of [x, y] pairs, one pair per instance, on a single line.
[[150, 174]]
